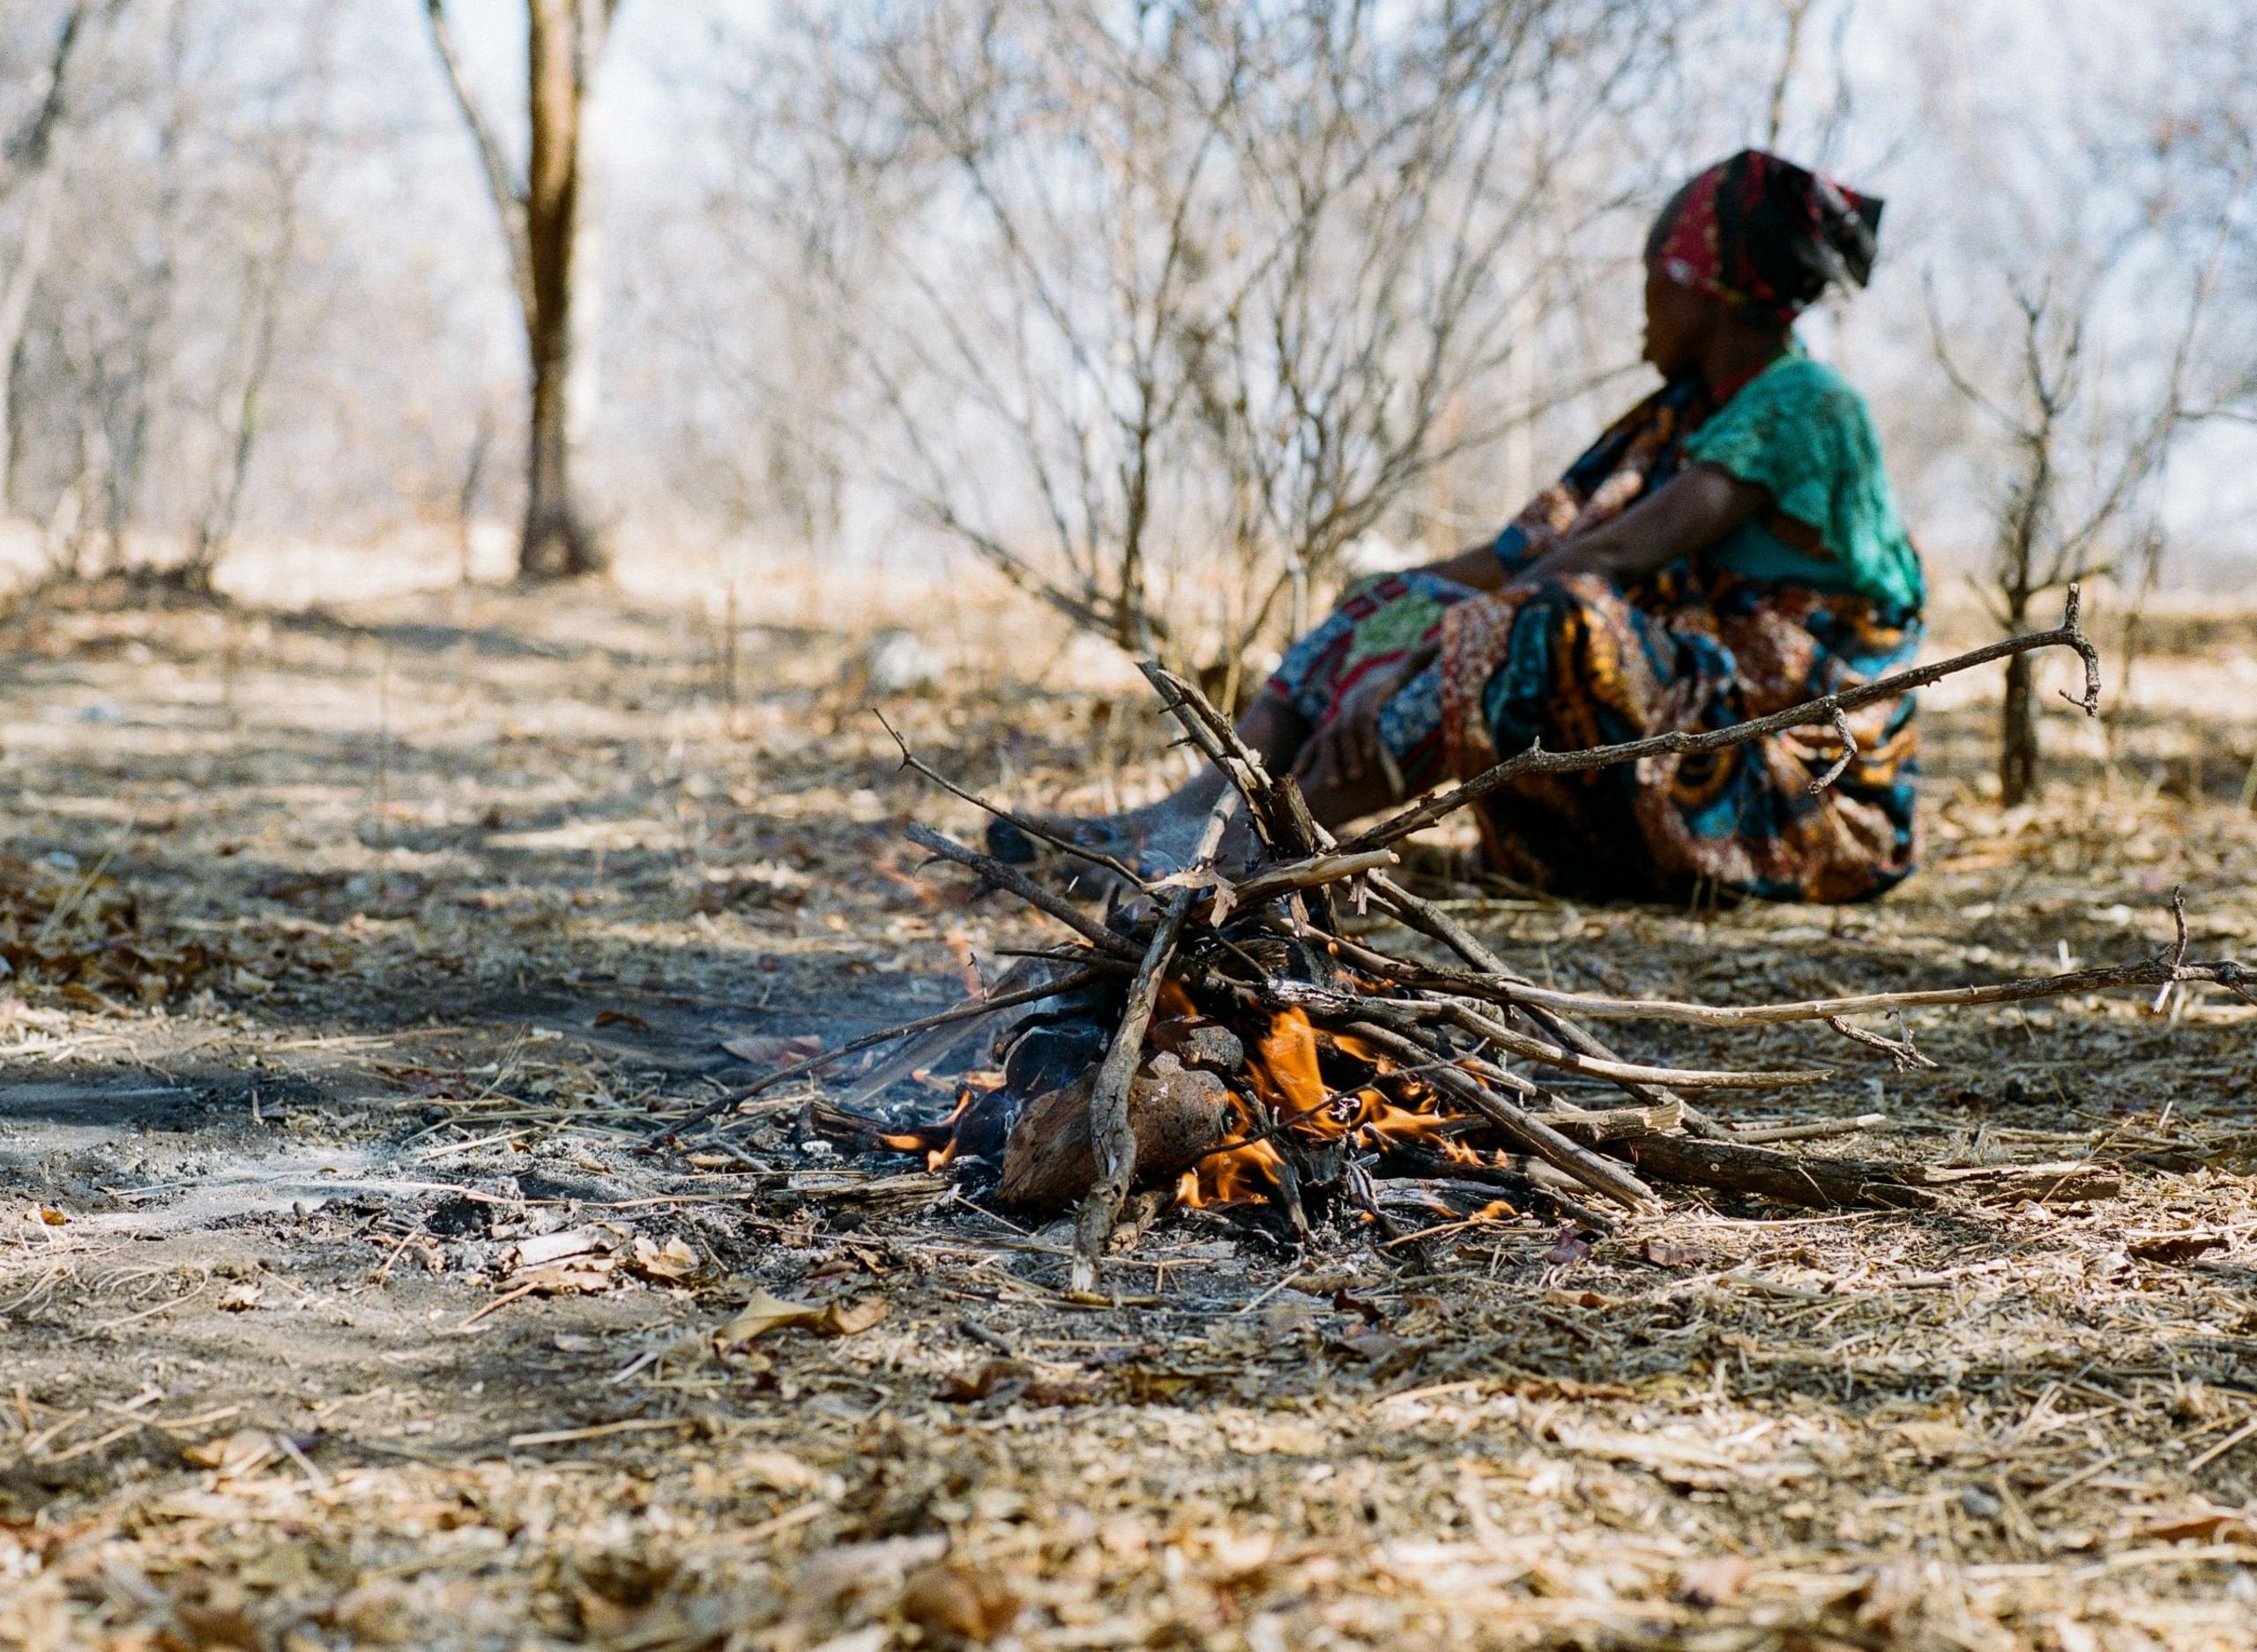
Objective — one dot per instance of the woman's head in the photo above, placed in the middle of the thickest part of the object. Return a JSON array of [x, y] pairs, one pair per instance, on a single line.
[[1752, 240]]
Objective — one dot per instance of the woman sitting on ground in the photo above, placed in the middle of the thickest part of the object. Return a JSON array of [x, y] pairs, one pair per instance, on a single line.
[[1727, 549]]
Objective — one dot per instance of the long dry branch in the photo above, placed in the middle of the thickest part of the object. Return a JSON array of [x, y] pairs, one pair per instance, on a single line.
[[1601, 1175], [1470, 1020], [1430, 919], [2156, 971], [1279, 809], [1815, 1184], [1679, 742]]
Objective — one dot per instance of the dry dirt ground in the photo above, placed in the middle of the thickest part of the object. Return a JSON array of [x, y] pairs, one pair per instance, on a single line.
[[353, 953]]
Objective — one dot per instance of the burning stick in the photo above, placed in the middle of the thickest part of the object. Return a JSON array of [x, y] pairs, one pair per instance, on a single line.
[[969, 1010], [1602, 1175], [1112, 1138]]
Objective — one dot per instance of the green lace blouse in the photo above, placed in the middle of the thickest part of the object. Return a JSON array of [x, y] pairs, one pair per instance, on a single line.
[[1800, 432]]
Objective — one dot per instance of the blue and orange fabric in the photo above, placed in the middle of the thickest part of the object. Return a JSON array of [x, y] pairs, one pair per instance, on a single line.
[[1821, 590]]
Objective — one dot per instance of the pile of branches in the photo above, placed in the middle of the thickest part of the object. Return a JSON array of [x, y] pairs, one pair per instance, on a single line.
[[1224, 1039]]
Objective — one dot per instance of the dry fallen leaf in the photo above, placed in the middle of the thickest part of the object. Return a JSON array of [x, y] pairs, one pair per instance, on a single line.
[[239, 1298], [577, 1276], [765, 1314], [764, 1049], [2205, 1525], [761, 1315], [957, 1604], [848, 1318], [665, 1264], [1568, 1249], [2173, 1247]]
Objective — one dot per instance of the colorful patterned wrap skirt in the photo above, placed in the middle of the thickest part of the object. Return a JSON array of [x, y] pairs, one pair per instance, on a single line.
[[1579, 662]]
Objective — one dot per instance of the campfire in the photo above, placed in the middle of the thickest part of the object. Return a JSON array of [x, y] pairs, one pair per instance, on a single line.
[[1225, 1043]]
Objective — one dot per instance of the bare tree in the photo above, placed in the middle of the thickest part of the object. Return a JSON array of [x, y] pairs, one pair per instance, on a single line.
[[2044, 541], [267, 273], [1148, 295], [549, 221], [30, 154]]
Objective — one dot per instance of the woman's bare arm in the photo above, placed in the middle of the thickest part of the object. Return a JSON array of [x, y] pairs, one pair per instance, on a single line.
[[1477, 567], [1685, 514], [1688, 513]]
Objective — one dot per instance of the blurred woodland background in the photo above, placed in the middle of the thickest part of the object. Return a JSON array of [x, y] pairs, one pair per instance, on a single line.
[[1166, 310], [469, 467]]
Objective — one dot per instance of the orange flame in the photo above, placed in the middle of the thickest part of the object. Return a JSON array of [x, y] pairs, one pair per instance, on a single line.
[[937, 1141], [1285, 1090], [1286, 1071]]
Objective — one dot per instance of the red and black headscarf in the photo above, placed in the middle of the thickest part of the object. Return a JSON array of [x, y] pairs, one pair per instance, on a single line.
[[1765, 235]]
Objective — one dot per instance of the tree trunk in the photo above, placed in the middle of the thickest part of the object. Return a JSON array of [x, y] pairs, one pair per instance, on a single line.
[[32, 246], [35, 155], [564, 41], [2018, 735]]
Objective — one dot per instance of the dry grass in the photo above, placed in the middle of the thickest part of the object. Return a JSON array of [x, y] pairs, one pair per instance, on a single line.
[[474, 879]]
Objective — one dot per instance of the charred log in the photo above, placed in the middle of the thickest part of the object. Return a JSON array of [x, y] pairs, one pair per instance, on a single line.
[[1178, 1116]]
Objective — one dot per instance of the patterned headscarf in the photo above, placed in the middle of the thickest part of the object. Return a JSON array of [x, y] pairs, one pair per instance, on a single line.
[[1765, 235]]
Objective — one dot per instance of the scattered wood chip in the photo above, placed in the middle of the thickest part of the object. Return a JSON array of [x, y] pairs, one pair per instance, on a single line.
[[2173, 1247]]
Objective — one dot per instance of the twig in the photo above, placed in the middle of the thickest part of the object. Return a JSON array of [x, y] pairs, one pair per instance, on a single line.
[[1901, 1051], [69, 903], [910, 760], [1816, 1130], [1679, 742], [2177, 949], [1281, 814], [1313, 872], [1009, 878], [1569, 1061], [1840, 766]]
